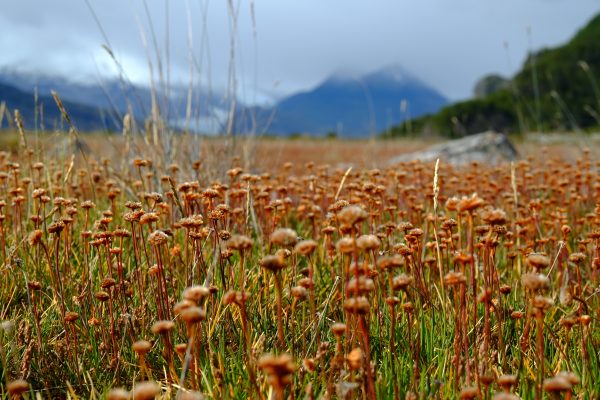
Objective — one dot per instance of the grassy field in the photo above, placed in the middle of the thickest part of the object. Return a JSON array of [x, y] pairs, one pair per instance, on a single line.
[[272, 269]]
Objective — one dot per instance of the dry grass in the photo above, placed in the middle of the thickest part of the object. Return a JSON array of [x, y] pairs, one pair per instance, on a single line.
[[269, 269]]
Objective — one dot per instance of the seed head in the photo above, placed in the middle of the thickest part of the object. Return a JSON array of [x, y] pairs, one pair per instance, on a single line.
[[355, 358], [118, 394], [338, 329], [494, 217], [193, 315], [470, 392], [141, 346], [299, 292], [195, 293], [107, 283], [507, 381], [402, 281], [17, 387], [191, 395], [71, 317], [454, 278], [56, 227], [305, 247], [102, 296], [467, 204], [505, 289], [570, 376], [534, 281], [278, 368], [542, 303], [351, 215], [236, 297], [272, 263], [538, 260], [386, 263], [557, 384], [285, 237], [239, 242], [357, 305], [577, 258], [585, 320], [360, 285], [368, 243], [162, 327], [210, 193], [147, 390], [147, 218], [182, 305], [157, 238], [193, 221], [345, 245], [35, 237], [505, 396]]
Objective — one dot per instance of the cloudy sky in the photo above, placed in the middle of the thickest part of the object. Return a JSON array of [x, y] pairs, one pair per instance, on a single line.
[[281, 46]]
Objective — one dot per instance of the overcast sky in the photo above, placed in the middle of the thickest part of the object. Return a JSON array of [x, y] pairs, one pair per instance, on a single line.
[[283, 46]]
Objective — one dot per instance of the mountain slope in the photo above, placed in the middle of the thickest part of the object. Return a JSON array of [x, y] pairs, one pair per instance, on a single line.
[[556, 89], [354, 107], [116, 98], [86, 118]]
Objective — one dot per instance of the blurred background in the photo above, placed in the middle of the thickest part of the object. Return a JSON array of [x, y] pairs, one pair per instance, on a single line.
[[331, 68]]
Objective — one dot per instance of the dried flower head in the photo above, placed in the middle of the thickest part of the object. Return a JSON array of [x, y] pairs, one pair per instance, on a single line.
[[467, 204], [278, 368], [355, 358], [118, 394], [272, 263], [305, 247], [338, 329], [157, 238], [557, 384], [193, 315], [147, 390], [35, 237], [239, 242], [538, 260], [534, 281], [285, 237], [345, 245], [162, 327], [454, 278], [402, 281], [141, 346], [368, 242], [357, 305], [470, 392], [351, 215], [17, 387], [195, 293]]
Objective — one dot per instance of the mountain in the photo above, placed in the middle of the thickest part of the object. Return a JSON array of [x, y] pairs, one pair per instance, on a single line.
[[86, 118], [114, 98], [556, 89], [353, 106], [347, 105]]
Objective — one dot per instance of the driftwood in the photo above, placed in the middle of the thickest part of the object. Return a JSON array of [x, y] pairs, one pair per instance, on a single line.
[[487, 147]]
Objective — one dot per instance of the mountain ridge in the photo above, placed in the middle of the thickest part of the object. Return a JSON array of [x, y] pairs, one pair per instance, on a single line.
[[353, 106], [349, 105]]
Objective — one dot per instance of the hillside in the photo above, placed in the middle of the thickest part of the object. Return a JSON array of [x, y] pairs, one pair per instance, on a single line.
[[48, 116], [566, 96]]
